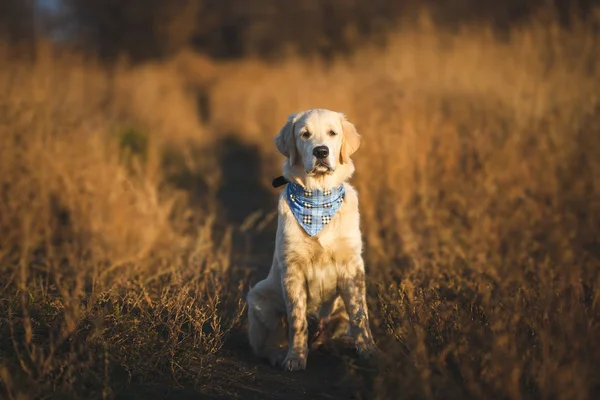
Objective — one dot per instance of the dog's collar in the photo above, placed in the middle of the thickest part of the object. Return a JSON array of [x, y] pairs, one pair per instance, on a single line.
[[279, 181], [314, 209]]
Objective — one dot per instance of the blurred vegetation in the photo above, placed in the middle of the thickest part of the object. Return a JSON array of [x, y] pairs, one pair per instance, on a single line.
[[136, 207], [133, 144], [147, 29]]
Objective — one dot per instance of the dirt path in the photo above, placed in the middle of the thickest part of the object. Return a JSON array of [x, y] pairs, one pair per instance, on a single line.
[[324, 378], [239, 375]]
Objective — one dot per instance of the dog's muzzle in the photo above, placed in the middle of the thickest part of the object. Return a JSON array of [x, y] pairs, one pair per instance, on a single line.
[[321, 153]]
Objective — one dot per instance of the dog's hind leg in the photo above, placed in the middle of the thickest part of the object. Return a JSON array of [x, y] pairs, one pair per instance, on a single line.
[[266, 324]]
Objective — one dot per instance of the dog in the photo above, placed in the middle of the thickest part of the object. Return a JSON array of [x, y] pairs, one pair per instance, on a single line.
[[318, 272]]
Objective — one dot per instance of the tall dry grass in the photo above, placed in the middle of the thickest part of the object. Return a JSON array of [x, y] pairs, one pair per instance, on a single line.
[[478, 181], [109, 273]]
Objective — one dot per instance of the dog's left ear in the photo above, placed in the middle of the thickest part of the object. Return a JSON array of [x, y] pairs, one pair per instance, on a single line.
[[350, 140]]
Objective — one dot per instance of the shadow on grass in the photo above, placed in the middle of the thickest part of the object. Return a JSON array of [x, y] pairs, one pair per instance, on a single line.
[[248, 205], [239, 198]]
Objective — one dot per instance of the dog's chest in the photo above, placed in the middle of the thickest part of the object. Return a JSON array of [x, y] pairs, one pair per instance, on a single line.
[[321, 272], [322, 266], [321, 281]]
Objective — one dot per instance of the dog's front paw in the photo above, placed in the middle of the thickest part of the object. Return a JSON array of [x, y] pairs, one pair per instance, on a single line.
[[294, 362]]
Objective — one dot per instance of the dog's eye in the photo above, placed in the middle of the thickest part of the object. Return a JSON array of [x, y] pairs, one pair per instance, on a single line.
[[332, 133], [306, 134]]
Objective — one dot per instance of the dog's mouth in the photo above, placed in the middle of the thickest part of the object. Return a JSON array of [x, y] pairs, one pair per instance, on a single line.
[[321, 168]]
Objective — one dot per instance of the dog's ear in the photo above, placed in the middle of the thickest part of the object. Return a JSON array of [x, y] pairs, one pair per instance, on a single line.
[[285, 140], [350, 140]]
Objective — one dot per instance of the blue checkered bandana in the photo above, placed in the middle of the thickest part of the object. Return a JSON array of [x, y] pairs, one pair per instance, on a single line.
[[314, 209]]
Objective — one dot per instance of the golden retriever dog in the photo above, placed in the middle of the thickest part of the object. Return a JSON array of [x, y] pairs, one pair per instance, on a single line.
[[317, 273]]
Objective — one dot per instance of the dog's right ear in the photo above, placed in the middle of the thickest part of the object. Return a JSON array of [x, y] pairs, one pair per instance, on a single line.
[[285, 140], [350, 140]]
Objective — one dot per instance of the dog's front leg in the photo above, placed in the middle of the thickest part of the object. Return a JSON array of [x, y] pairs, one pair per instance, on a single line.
[[352, 290], [294, 290]]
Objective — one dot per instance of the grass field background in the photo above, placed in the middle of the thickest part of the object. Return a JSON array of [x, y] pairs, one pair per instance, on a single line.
[[136, 210]]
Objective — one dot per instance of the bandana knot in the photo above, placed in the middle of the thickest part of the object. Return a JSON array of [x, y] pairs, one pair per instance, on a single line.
[[313, 209]]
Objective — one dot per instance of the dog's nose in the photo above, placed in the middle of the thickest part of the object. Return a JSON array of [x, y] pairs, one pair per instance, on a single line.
[[321, 152]]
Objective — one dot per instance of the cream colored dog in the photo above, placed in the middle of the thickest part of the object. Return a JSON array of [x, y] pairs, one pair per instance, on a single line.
[[314, 276]]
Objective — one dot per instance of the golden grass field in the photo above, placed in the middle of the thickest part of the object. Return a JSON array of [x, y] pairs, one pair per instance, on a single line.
[[133, 217]]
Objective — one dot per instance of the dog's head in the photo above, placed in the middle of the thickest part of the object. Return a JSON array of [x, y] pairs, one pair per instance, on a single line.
[[318, 144]]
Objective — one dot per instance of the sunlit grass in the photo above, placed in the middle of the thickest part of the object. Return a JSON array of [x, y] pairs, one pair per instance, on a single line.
[[478, 183]]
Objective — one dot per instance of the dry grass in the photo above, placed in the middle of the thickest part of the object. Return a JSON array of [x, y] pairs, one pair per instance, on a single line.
[[479, 192], [106, 267]]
